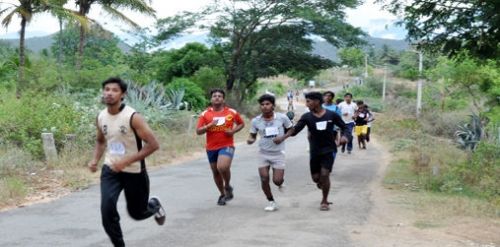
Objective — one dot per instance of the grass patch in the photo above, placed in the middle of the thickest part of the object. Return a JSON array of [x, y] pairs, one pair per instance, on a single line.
[[11, 189], [423, 224]]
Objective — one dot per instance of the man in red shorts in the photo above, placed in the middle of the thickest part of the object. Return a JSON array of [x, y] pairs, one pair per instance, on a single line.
[[220, 123]]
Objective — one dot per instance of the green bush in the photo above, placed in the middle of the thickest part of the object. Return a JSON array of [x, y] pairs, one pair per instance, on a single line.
[[193, 93], [23, 120], [208, 78]]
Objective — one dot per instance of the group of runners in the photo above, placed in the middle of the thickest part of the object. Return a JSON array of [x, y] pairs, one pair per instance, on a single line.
[[125, 140]]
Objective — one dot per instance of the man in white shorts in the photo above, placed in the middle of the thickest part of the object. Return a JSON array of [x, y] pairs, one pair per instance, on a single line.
[[273, 128]]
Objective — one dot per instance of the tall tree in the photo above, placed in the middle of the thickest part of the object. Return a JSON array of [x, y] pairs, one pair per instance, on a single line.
[[25, 9], [451, 25], [258, 38], [352, 57], [113, 8]]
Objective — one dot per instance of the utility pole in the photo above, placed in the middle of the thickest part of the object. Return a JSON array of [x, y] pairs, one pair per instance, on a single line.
[[366, 66], [419, 83], [385, 82]]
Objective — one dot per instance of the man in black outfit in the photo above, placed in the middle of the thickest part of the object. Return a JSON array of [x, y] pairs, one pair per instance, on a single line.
[[322, 144]]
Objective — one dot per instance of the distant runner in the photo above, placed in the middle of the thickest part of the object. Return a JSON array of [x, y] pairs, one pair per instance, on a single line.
[[271, 127], [328, 97], [320, 124], [348, 108], [218, 122], [361, 117], [371, 118], [121, 132]]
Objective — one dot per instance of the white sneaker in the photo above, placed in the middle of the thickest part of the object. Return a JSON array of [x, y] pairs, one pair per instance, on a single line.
[[272, 207], [282, 188]]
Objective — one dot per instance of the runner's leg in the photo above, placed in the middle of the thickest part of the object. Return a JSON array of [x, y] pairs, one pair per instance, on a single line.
[[111, 188], [264, 182], [219, 181], [350, 127], [136, 189], [325, 184], [224, 168], [278, 176]]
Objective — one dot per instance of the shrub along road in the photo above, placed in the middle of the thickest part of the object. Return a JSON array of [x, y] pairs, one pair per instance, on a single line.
[[194, 219]]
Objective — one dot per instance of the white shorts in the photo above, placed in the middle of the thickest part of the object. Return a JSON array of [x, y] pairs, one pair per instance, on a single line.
[[274, 159]]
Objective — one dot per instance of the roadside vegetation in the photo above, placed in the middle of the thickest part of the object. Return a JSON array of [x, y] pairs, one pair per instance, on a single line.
[[446, 161], [57, 90]]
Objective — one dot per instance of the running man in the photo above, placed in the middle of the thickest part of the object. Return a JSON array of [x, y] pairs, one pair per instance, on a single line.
[[320, 124], [371, 118], [348, 108], [328, 97], [121, 132], [218, 122], [271, 127], [361, 117]]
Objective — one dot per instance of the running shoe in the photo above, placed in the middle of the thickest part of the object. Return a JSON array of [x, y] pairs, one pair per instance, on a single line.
[[282, 188], [271, 207], [160, 214], [229, 193], [221, 201]]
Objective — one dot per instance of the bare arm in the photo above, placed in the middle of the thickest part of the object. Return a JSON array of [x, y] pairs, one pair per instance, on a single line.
[[100, 147], [203, 129], [251, 138], [280, 139], [146, 134]]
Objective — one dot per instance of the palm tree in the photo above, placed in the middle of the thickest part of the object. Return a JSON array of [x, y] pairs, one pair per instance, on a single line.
[[112, 7], [25, 9]]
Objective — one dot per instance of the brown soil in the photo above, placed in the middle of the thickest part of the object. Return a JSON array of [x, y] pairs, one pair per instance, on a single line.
[[391, 224]]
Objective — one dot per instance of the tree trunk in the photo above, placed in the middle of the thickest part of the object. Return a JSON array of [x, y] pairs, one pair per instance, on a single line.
[[60, 41], [22, 57], [60, 51], [82, 11], [80, 48]]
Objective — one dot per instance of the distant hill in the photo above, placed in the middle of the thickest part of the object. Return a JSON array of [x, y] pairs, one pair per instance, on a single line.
[[321, 48], [326, 50], [37, 44]]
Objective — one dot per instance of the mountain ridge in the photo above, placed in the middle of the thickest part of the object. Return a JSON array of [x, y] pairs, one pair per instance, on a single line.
[[321, 48]]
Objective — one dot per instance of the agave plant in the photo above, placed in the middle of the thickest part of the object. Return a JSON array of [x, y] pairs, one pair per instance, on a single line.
[[152, 101], [469, 134]]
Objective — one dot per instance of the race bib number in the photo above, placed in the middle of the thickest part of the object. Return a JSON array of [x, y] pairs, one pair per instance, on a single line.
[[271, 131], [321, 125], [220, 120], [116, 148]]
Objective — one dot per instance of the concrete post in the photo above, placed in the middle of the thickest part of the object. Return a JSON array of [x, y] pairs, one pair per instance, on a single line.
[[49, 147], [70, 142]]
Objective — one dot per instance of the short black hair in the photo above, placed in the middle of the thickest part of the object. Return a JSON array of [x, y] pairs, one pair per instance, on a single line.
[[330, 93], [218, 90], [360, 102], [348, 94], [267, 97], [315, 96], [117, 80]]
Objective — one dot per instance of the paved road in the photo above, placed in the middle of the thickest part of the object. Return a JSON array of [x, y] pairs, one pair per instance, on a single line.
[[194, 219]]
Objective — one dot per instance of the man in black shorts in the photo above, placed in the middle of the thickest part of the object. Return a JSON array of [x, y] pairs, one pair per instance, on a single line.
[[320, 124]]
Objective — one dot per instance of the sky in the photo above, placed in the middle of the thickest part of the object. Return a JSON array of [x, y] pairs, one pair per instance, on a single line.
[[369, 17]]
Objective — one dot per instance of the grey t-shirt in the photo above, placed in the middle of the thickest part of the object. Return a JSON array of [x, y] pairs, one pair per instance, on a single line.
[[268, 130]]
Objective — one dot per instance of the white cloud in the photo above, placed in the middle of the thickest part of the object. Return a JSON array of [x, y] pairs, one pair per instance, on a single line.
[[371, 18], [368, 16], [47, 24]]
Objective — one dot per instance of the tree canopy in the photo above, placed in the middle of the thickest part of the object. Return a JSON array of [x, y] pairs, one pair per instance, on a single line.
[[451, 26], [260, 38]]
